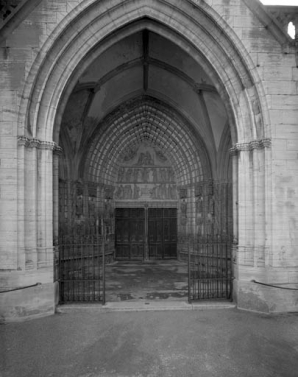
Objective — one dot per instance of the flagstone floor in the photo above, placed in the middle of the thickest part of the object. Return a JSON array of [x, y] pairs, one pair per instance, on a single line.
[[152, 280]]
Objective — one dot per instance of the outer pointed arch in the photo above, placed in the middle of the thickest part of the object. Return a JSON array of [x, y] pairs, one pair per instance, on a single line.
[[200, 30]]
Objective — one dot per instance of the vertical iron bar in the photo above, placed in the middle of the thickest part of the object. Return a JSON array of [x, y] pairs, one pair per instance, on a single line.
[[103, 264], [207, 268], [61, 246], [189, 277], [74, 285], [227, 276], [92, 268], [223, 270], [82, 265], [217, 268], [199, 261]]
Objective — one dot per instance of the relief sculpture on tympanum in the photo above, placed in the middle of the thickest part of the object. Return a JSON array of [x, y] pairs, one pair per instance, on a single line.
[[145, 173]]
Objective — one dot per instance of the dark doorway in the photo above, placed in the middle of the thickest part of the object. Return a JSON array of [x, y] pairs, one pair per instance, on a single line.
[[130, 233], [143, 233], [162, 233]]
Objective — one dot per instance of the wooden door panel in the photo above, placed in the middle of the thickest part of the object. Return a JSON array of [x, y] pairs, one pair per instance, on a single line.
[[136, 251], [155, 251], [162, 233], [170, 250], [130, 233]]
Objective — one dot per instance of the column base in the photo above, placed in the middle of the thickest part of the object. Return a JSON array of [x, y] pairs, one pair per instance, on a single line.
[[259, 298], [29, 303]]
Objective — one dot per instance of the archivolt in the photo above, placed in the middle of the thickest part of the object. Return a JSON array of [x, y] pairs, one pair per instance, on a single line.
[[145, 120], [197, 29]]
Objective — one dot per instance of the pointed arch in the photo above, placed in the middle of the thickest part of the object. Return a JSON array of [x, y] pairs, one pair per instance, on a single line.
[[197, 29]]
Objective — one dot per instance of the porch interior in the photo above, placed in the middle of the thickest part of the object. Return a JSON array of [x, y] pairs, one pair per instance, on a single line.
[[151, 280]]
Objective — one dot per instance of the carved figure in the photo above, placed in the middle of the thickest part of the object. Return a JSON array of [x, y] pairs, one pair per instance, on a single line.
[[120, 192], [154, 172], [171, 175], [127, 192], [199, 205], [121, 174], [183, 208], [136, 175], [161, 193], [153, 193], [160, 156], [128, 175], [91, 205], [163, 173], [145, 159], [172, 192], [129, 155], [145, 175], [79, 205], [136, 192], [211, 205], [150, 175]]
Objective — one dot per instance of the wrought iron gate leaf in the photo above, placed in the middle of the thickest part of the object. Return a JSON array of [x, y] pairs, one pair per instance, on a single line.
[[210, 252], [82, 243]]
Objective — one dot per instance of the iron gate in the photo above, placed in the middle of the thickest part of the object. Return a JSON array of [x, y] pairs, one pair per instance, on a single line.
[[84, 241], [82, 268], [210, 249]]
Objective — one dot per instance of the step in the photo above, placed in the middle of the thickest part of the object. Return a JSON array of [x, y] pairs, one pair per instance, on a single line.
[[145, 305]]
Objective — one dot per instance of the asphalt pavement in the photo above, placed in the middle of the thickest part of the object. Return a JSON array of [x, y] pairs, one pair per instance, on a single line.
[[89, 343]]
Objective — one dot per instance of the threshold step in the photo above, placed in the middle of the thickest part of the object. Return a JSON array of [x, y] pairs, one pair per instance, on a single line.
[[141, 305]]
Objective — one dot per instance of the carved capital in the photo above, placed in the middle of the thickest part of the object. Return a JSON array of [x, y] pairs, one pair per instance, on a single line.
[[23, 141], [39, 144], [233, 151], [57, 150], [254, 144]]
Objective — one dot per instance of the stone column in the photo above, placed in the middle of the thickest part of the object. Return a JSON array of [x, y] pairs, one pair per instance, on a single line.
[[35, 202], [21, 250], [56, 154], [245, 206], [30, 197], [235, 155], [45, 205], [252, 201], [268, 203], [259, 205], [32, 271]]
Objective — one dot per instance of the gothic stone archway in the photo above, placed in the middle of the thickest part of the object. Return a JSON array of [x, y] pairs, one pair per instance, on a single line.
[[199, 32]]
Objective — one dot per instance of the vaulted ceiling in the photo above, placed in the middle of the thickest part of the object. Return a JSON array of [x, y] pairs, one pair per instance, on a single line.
[[144, 65]]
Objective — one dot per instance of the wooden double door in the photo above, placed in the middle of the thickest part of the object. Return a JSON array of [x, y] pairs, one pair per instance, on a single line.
[[146, 233]]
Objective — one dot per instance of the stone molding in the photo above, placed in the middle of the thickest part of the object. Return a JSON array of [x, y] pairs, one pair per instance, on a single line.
[[39, 144], [252, 145]]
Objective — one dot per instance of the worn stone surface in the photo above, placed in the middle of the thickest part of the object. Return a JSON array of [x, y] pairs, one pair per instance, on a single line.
[[149, 281]]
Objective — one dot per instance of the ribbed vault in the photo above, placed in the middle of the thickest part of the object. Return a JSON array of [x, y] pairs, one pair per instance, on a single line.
[[145, 121]]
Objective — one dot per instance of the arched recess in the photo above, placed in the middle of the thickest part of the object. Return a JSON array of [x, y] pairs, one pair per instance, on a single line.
[[198, 30], [112, 161]]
